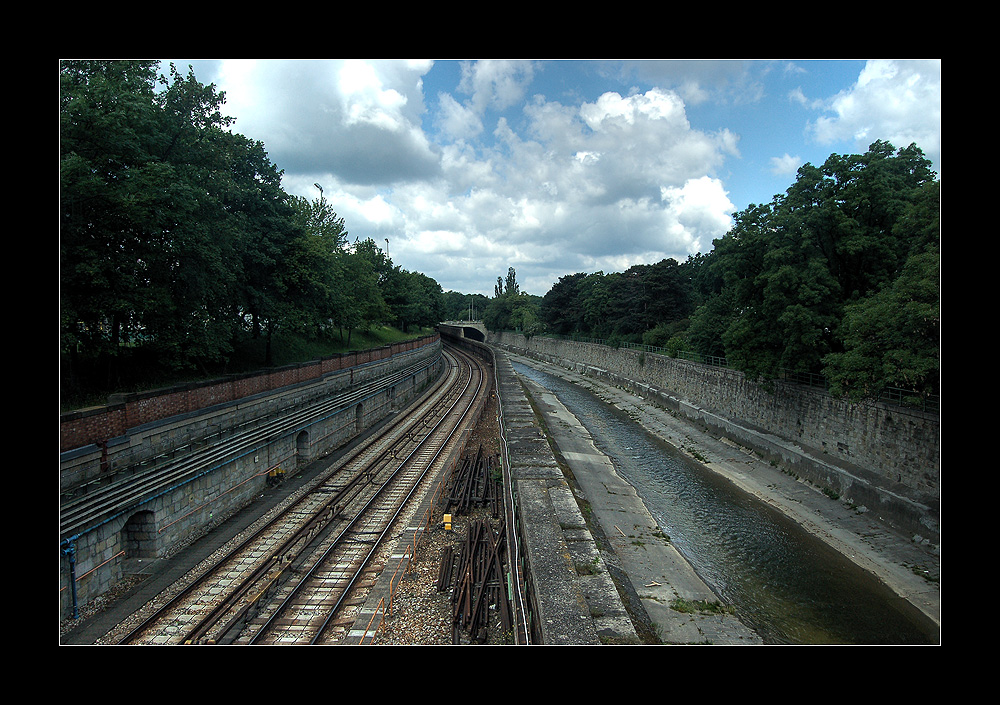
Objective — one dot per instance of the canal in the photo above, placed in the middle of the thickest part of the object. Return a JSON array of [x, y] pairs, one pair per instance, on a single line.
[[787, 585]]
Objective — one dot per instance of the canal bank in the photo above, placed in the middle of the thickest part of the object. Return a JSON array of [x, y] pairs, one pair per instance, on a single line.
[[910, 569], [680, 605]]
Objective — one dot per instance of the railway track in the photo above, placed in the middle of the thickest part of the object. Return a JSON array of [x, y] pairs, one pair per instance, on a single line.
[[294, 579], [81, 513]]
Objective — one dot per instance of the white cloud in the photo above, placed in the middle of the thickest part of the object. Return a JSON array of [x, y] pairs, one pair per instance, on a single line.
[[495, 84], [457, 121], [366, 99], [894, 100], [498, 170], [697, 213], [357, 120], [785, 165], [598, 186]]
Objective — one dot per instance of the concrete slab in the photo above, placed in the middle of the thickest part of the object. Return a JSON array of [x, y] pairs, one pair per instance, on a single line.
[[657, 571], [858, 536]]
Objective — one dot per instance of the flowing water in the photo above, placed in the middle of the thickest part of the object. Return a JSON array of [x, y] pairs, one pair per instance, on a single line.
[[786, 584]]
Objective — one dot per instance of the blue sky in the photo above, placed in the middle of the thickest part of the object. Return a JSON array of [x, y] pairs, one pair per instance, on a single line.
[[468, 167]]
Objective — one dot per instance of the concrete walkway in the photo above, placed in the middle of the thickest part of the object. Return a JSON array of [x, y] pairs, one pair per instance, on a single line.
[[910, 569], [659, 574]]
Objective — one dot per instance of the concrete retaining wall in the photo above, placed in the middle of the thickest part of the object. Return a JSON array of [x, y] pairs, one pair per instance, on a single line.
[[96, 559], [875, 455]]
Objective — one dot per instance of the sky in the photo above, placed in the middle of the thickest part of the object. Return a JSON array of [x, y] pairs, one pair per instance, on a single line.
[[461, 169]]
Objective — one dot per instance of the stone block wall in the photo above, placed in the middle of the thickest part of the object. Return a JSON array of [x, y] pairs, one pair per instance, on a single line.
[[125, 411], [95, 560], [99, 443], [881, 453]]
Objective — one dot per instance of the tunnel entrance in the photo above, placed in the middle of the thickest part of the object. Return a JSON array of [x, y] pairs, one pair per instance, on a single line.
[[474, 334]]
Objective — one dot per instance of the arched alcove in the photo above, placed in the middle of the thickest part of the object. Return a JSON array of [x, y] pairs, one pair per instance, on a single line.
[[359, 419], [139, 535], [303, 452]]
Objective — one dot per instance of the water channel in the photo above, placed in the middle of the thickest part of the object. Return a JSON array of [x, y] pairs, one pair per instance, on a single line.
[[784, 583]]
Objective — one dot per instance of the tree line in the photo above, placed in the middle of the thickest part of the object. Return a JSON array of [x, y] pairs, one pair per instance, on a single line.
[[178, 246], [837, 278], [179, 250]]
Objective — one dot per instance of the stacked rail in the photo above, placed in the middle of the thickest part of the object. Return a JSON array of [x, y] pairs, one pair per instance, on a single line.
[[480, 585], [476, 484]]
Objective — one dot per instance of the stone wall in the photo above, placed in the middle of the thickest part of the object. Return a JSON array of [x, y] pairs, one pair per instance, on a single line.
[[140, 429], [96, 556], [876, 454]]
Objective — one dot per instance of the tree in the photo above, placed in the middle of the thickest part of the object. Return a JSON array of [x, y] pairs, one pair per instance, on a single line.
[[625, 305], [802, 277], [146, 253], [463, 307], [892, 339], [670, 292], [428, 300], [314, 271], [179, 246], [372, 286], [265, 231], [559, 308], [512, 287], [510, 309], [359, 304], [107, 118]]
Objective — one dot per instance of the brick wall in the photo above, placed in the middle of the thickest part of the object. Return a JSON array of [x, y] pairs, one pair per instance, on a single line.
[[99, 424]]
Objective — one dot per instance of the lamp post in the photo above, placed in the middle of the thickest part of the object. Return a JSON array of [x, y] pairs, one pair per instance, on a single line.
[[320, 192]]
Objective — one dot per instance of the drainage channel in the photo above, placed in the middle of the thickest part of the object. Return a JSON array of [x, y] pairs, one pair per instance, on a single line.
[[786, 584]]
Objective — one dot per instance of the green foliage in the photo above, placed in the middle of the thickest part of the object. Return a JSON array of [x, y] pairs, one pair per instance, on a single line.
[[891, 339], [463, 307], [623, 306], [510, 309], [179, 249], [838, 277], [147, 256]]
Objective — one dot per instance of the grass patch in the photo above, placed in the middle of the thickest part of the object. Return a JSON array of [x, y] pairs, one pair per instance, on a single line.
[[700, 607]]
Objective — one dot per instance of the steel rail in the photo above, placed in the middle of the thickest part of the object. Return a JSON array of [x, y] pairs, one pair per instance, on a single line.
[[454, 425], [125, 496], [253, 605], [378, 448]]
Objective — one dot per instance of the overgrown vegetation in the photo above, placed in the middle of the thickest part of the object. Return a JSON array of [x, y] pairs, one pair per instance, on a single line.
[[700, 606], [181, 255]]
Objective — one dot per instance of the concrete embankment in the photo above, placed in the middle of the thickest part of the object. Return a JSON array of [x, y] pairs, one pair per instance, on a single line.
[[910, 568], [880, 456], [587, 575]]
